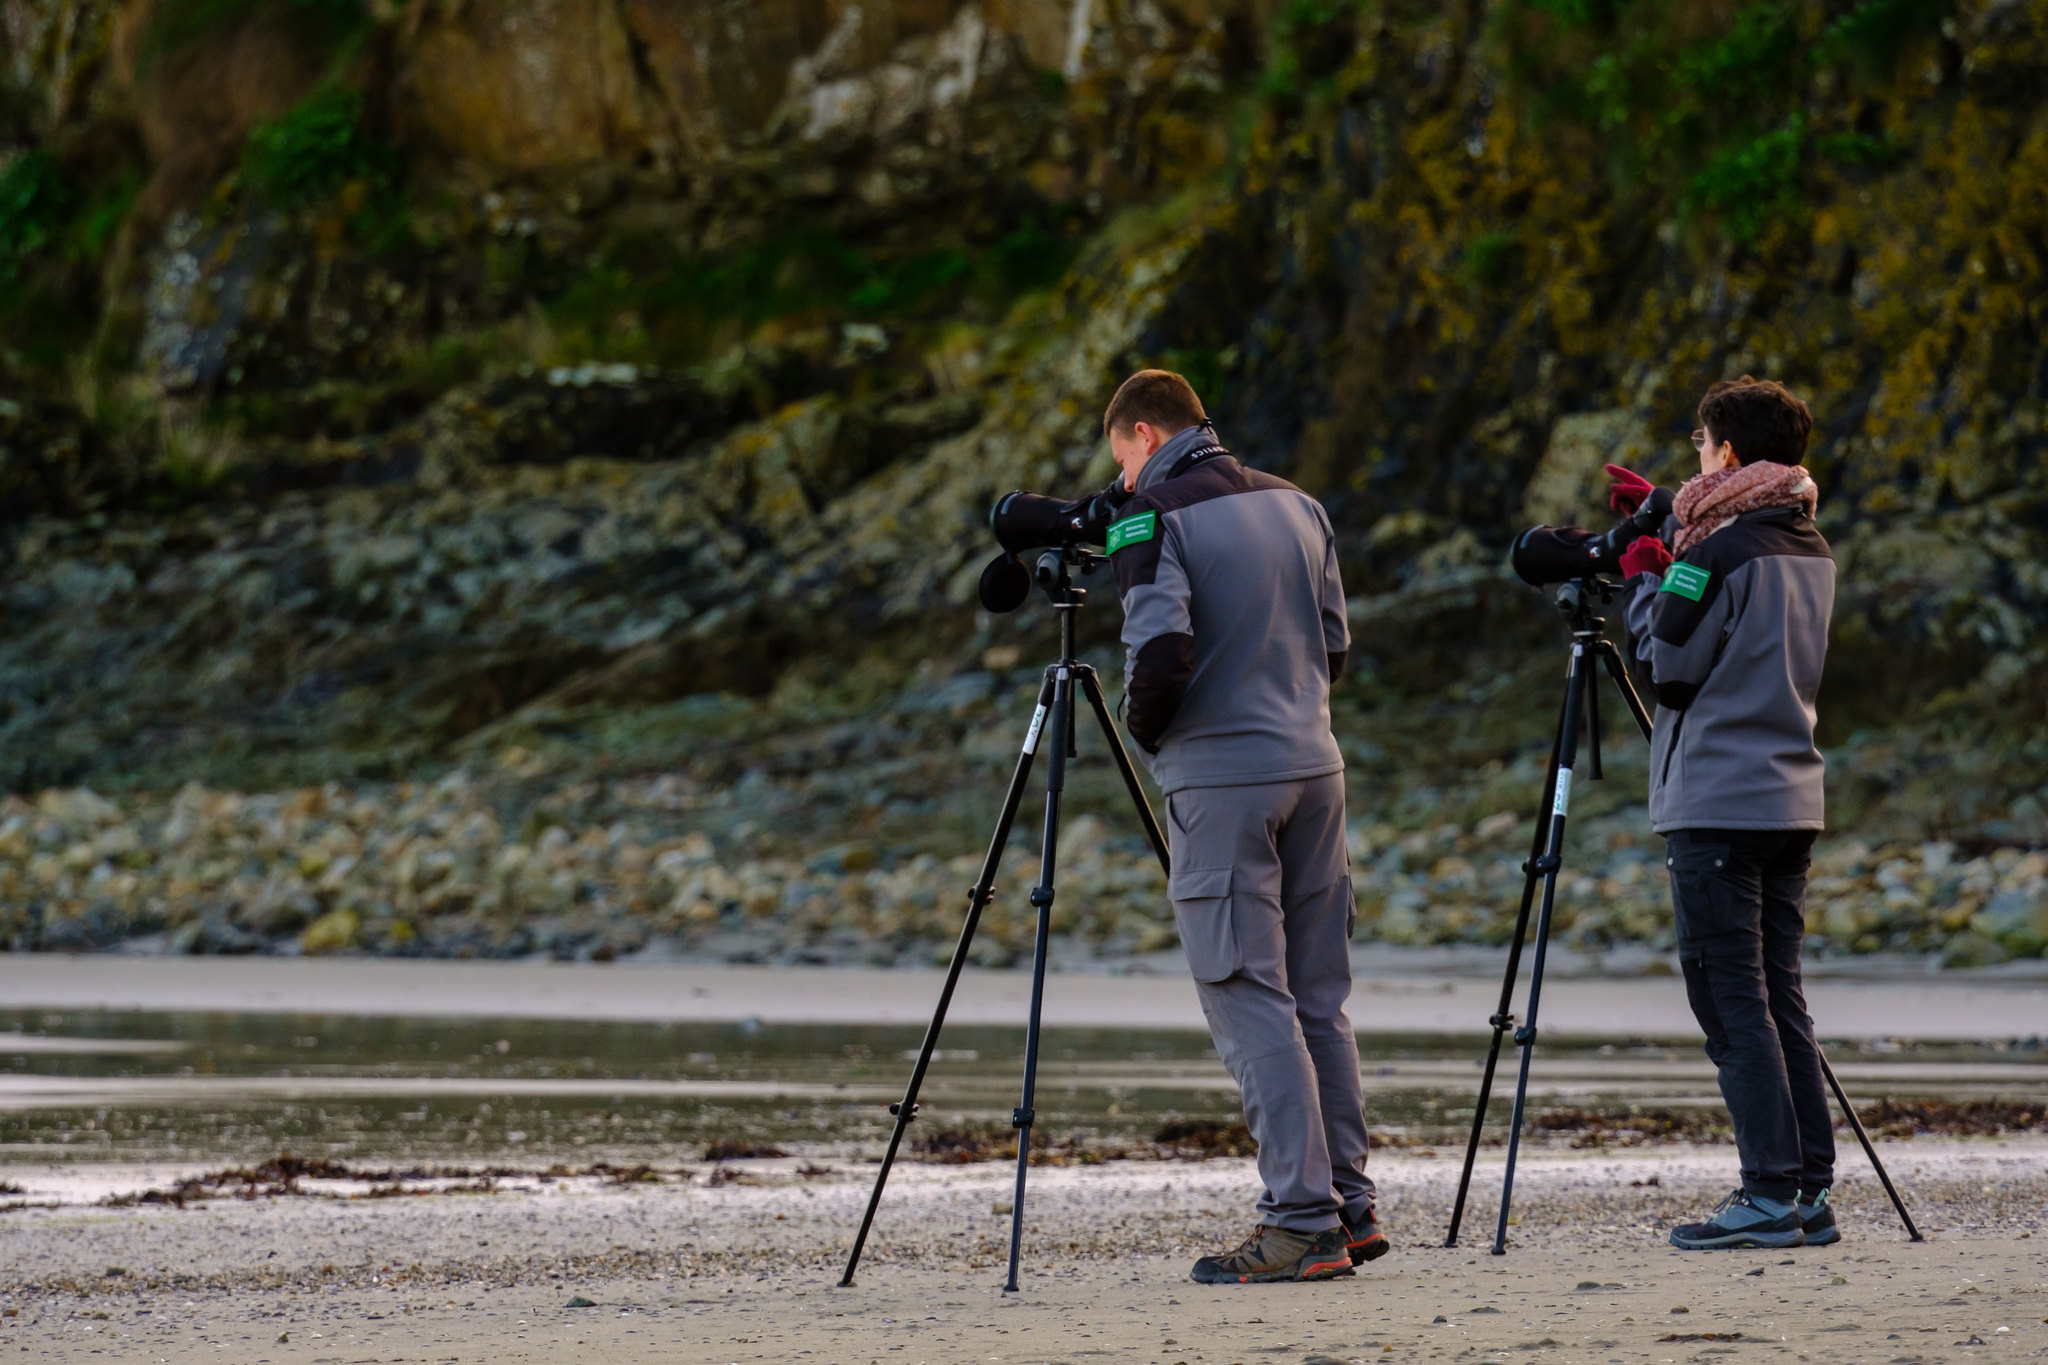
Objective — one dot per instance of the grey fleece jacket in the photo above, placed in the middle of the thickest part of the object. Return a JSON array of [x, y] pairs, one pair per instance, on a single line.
[[1233, 620], [1736, 633]]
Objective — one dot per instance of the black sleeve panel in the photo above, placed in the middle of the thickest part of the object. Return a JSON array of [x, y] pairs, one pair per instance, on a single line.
[[1138, 563], [1337, 658], [1158, 680], [1674, 617], [1676, 696]]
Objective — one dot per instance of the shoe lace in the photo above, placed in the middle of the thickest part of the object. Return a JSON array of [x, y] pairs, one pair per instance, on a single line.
[[1735, 1197], [1245, 1247]]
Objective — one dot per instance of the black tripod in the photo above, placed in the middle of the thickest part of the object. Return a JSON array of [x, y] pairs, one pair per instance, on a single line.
[[1576, 602], [1054, 716]]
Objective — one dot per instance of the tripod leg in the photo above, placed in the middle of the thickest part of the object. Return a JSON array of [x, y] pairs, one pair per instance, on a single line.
[[1093, 687], [1041, 900], [1617, 669], [1576, 684], [1503, 1019], [977, 898], [1849, 1113]]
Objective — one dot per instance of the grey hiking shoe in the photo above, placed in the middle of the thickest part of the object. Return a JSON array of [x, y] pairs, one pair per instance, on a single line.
[[1363, 1240], [1277, 1254], [1738, 1221], [1817, 1220]]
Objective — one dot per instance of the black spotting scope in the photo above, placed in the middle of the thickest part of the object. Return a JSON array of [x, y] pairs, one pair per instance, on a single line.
[[1033, 521], [1544, 555]]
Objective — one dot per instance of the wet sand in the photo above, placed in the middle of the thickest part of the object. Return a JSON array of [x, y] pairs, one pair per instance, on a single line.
[[745, 1270], [1417, 999]]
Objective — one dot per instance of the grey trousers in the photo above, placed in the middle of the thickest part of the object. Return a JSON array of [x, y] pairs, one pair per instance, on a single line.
[[1262, 897]]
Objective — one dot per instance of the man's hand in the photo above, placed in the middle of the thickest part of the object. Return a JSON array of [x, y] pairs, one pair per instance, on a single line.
[[1646, 554], [1627, 491]]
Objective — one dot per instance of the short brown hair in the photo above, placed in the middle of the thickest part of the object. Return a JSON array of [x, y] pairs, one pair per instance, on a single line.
[[1159, 397], [1761, 418]]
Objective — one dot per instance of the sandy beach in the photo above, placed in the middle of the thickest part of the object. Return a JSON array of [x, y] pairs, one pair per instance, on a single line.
[[665, 1255], [745, 1269]]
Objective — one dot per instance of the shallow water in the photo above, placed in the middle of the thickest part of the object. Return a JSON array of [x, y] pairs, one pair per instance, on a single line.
[[133, 1085]]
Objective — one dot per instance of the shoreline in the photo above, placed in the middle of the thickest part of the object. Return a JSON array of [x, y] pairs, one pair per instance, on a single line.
[[1949, 1008]]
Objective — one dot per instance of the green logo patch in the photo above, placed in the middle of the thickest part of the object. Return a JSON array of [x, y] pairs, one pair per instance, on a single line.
[[1131, 530], [1687, 580]]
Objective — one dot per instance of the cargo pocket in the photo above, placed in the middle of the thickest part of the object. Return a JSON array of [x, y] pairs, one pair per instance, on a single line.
[[1708, 899], [1201, 911]]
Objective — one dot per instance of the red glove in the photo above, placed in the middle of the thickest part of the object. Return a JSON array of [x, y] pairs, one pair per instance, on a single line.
[[1645, 554], [1627, 491]]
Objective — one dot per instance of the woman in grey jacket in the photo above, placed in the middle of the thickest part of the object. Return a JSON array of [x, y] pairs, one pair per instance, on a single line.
[[1734, 628]]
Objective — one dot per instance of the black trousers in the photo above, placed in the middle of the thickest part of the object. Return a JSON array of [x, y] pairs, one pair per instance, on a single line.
[[1739, 897]]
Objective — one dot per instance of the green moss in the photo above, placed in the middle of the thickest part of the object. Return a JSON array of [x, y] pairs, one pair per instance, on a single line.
[[35, 205], [313, 150], [1858, 149], [1310, 40], [639, 298], [1710, 104], [1875, 32], [1490, 257], [1753, 183]]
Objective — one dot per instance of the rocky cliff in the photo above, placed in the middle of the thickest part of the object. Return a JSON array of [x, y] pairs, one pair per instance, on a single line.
[[552, 436]]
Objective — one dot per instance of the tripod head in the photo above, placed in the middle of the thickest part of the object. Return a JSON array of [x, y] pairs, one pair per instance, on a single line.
[[1579, 598], [1054, 574], [1055, 570]]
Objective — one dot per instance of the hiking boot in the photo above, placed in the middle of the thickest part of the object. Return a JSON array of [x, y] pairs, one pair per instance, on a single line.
[[1278, 1254], [1363, 1238], [1817, 1220], [1743, 1221]]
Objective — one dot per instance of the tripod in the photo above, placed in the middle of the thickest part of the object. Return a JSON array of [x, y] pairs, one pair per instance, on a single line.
[[1054, 716], [1577, 601]]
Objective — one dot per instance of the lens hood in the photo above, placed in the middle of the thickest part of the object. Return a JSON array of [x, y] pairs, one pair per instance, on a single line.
[[1544, 555], [1032, 521]]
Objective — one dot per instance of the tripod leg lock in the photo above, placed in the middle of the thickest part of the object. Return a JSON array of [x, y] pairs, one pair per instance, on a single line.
[[1041, 897], [1023, 1118], [896, 1110], [1525, 1036], [1548, 863], [1502, 1021]]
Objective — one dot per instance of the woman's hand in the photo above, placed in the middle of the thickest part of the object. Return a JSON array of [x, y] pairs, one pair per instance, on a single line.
[[1627, 491], [1646, 554]]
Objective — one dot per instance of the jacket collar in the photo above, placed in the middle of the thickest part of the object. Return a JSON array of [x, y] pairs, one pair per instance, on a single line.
[[1162, 465]]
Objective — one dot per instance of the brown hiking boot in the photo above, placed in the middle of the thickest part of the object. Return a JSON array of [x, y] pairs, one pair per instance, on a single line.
[[1277, 1254], [1363, 1239]]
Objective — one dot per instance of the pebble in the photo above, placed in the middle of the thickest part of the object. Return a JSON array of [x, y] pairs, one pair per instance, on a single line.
[[441, 869]]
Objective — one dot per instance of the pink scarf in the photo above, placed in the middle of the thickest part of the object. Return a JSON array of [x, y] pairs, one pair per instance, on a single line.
[[1710, 501]]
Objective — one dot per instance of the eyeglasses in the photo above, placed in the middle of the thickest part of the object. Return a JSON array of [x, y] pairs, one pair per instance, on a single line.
[[1699, 439]]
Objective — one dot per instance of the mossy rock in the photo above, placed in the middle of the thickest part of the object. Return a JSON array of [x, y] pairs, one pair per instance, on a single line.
[[334, 932]]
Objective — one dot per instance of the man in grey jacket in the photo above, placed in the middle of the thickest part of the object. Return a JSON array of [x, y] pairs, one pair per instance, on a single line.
[[1234, 626], [1735, 632]]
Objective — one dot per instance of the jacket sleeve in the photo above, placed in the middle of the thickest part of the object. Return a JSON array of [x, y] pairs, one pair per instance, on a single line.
[[1635, 612], [1336, 626], [1159, 641], [1684, 639]]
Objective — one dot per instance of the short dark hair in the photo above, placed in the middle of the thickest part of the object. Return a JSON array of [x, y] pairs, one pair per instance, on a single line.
[[1761, 418], [1159, 397]]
